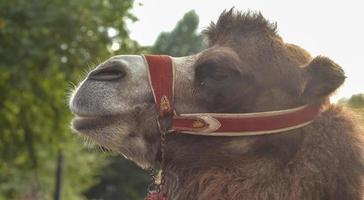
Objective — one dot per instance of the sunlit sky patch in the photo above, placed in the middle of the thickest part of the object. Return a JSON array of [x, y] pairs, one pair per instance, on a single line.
[[330, 28]]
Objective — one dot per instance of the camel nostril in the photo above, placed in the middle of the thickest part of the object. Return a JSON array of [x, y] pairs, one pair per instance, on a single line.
[[110, 73]]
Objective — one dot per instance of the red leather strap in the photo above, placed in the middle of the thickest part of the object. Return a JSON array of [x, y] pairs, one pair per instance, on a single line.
[[161, 80], [216, 124], [161, 74]]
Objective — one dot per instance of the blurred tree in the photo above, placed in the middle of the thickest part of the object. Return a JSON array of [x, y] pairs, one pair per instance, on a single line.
[[183, 40], [121, 179], [355, 101], [45, 45], [356, 104]]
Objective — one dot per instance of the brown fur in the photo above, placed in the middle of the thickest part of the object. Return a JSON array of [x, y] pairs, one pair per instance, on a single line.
[[323, 160]]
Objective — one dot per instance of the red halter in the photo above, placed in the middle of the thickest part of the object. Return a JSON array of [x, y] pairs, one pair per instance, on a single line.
[[161, 74]]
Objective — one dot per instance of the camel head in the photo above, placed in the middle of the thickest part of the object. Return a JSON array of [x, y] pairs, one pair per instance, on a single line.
[[247, 68]]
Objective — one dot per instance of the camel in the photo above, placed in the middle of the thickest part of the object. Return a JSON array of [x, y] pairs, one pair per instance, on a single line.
[[247, 68]]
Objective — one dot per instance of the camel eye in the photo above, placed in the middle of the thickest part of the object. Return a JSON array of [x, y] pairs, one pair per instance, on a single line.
[[219, 75], [209, 73]]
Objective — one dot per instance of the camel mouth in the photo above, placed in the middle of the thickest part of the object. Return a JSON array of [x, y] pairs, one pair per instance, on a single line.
[[83, 124]]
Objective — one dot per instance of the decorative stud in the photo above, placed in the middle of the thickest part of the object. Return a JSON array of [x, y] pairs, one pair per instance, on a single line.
[[198, 123], [165, 106]]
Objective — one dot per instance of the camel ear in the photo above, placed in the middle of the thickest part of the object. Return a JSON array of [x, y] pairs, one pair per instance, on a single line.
[[323, 78]]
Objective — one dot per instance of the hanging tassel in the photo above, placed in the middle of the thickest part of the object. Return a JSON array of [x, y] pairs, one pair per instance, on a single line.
[[154, 195]]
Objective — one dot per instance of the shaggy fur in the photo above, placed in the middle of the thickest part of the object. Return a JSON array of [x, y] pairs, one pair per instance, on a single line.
[[236, 24], [320, 161], [325, 163]]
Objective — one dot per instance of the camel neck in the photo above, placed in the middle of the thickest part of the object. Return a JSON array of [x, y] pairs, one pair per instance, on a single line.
[[217, 183], [310, 164]]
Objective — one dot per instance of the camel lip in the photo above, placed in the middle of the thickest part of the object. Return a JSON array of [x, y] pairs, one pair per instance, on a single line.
[[83, 124]]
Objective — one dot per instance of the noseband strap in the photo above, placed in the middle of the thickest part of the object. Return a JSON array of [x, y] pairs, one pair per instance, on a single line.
[[161, 73], [161, 76]]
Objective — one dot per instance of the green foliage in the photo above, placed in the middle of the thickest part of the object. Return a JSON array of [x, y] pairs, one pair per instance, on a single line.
[[121, 179], [182, 40], [355, 101], [356, 104], [45, 45]]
